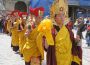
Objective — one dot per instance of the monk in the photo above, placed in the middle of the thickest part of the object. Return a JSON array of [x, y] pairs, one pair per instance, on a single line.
[[31, 52]]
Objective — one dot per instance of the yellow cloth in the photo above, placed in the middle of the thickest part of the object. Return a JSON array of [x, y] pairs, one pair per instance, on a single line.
[[45, 29], [76, 59], [18, 21], [30, 48], [40, 45], [63, 47], [8, 25], [63, 43], [15, 36], [22, 40]]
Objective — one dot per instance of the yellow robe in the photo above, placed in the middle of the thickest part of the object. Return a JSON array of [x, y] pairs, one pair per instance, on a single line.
[[15, 37], [63, 47], [8, 25], [63, 44], [30, 48], [22, 40], [45, 30]]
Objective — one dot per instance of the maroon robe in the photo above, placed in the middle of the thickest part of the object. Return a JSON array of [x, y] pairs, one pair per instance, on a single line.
[[51, 57]]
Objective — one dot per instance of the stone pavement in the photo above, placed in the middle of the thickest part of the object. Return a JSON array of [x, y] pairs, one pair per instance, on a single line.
[[86, 56], [86, 51], [7, 56]]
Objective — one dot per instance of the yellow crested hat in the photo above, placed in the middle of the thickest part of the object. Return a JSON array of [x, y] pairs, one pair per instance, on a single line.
[[57, 6]]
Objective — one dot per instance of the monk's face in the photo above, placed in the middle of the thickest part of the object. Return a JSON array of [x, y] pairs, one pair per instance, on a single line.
[[58, 19], [16, 14], [38, 19]]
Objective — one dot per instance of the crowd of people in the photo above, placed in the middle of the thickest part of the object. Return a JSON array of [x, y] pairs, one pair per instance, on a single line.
[[83, 24]]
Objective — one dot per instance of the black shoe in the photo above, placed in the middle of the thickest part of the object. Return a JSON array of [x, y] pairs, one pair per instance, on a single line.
[[27, 63], [15, 48], [74, 63], [11, 45], [21, 55]]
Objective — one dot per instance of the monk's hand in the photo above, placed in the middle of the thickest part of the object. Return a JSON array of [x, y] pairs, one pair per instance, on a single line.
[[46, 45], [27, 33]]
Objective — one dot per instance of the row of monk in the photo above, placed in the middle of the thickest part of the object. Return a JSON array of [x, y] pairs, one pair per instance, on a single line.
[[33, 34]]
